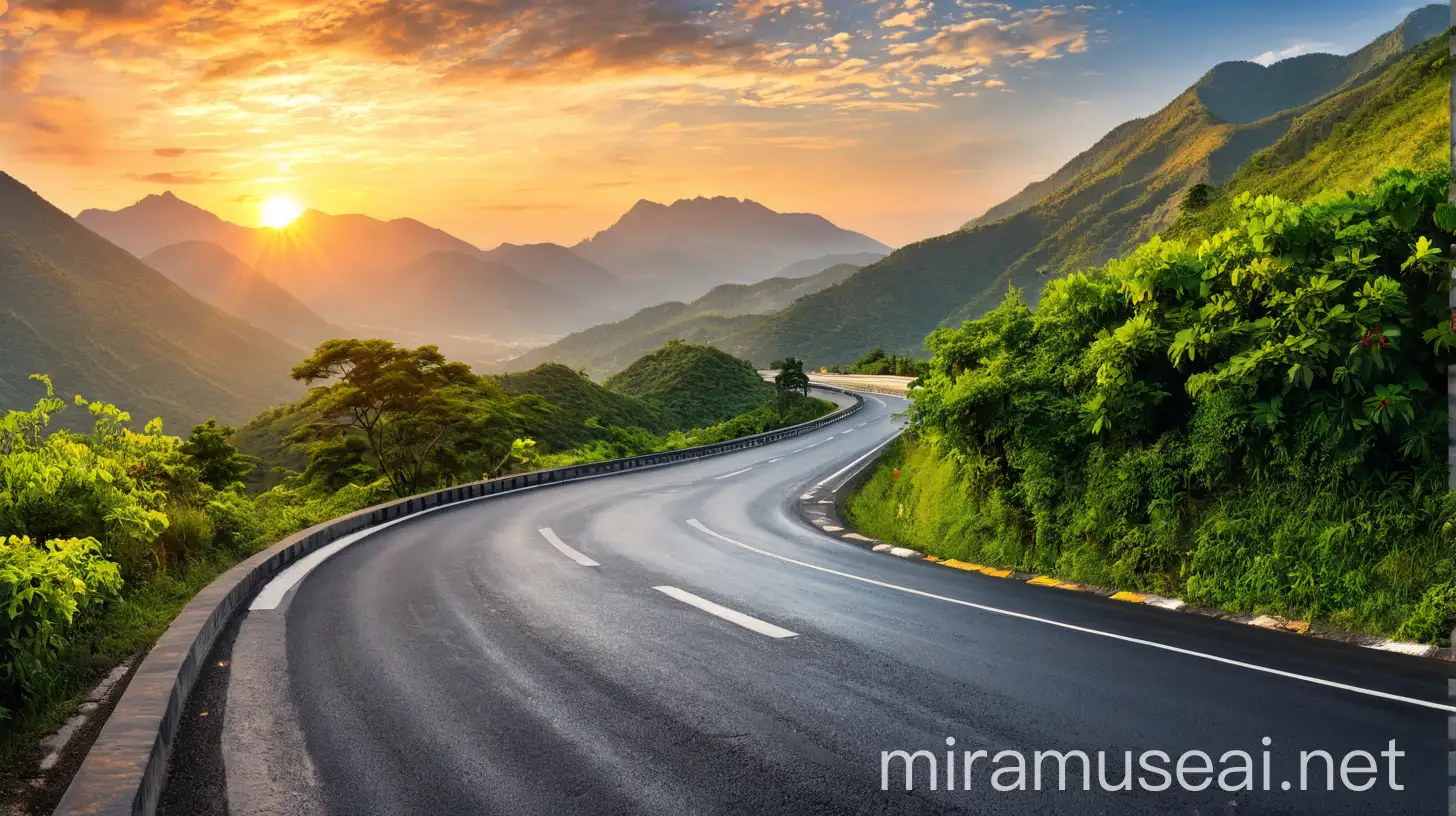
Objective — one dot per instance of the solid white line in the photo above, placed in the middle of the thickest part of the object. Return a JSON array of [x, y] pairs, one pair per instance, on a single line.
[[734, 473], [871, 452], [556, 542], [272, 594], [1073, 627], [746, 621]]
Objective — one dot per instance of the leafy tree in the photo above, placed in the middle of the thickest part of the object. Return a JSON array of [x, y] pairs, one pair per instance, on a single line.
[[219, 464], [1197, 197], [404, 401], [791, 377]]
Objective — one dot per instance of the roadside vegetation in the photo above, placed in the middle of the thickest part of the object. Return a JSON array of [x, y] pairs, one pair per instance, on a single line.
[[106, 534], [693, 386], [877, 362], [1254, 421]]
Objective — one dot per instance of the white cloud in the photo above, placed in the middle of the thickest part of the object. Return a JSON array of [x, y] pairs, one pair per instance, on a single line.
[[1270, 57]]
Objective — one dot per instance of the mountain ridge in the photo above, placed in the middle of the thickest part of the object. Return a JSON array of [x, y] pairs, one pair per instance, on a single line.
[[685, 248], [729, 308], [104, 324], [213, 275], [1106, 200]]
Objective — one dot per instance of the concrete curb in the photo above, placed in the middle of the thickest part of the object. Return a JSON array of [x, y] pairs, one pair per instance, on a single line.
[[126, 768]]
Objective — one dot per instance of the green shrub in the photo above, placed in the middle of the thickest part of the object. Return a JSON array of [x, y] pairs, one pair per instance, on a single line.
[[42, 587], [235, 521], [189, 533]]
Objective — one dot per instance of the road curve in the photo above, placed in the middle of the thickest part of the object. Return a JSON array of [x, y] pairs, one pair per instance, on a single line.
[[676, 641]]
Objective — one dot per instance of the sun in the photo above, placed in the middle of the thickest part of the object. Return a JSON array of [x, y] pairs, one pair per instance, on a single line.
[[280, 211]]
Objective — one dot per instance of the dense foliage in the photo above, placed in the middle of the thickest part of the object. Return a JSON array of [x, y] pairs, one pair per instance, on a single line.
[[1257, 422], [693, 386], [573, 400], [877, 362]]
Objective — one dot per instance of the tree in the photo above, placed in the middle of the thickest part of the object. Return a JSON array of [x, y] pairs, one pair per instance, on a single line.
[[791, 378], [1197, 197], [218, 463], [404, 401], [876, 362]]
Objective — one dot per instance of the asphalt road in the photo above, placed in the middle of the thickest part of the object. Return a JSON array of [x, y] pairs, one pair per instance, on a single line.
[[464, 663]]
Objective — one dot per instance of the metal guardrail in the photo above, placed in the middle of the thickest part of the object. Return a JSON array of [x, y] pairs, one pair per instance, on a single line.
[[126, 768]]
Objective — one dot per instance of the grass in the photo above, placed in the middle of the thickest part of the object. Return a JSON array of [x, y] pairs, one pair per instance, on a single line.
[[1281, 550]]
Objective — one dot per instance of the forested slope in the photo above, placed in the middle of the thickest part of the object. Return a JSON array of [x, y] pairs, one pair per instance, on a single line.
[[1120, 192]]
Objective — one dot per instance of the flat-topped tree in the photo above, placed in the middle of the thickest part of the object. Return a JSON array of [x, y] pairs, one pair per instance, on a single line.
[[404, 401]]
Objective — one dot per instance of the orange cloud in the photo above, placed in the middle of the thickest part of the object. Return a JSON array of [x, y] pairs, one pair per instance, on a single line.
[[181, 177], [57, 129], [412, 107]]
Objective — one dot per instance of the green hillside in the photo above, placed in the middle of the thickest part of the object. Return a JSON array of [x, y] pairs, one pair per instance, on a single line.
[[99, 321], [694, 386], [1398, 119], [725, 311], [573, 400], [1123, 190]]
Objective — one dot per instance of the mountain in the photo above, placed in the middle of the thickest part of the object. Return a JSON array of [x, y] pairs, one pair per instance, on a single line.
[[1399, 118], [104, 324], [768, 296], [590, 294], [346, 267], [685, 248], [163, 220], [458, 292], [1124, 189], [213, 275], [323, 258], [694, 386], [320, 258], [557, 267], [1245, 92], [727, 310]]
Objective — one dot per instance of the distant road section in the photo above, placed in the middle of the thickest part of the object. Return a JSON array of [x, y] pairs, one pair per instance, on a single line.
[[878, 383]]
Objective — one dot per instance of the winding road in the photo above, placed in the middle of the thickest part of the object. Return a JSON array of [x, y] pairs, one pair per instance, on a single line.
[[679, 641]]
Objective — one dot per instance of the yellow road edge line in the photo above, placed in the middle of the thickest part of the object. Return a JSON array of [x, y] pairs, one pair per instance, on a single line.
[[995, 573], [960, 565], [1044, 580], [1130, 597]]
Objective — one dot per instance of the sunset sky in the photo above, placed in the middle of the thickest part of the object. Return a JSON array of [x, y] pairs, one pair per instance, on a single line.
[[543, 120]]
